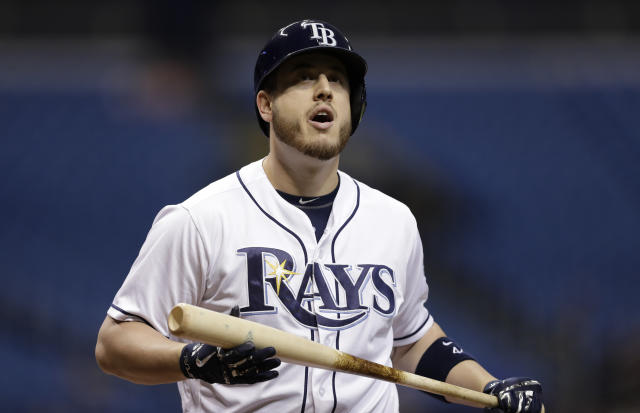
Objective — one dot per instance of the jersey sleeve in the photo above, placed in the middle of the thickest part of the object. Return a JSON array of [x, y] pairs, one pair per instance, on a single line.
[[171, 268], [413, 319]]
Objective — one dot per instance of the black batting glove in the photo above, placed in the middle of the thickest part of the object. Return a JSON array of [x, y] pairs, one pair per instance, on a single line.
[[515, 395], [242, 364]]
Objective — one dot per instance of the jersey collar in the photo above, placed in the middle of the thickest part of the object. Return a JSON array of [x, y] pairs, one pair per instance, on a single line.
[[344, 206]]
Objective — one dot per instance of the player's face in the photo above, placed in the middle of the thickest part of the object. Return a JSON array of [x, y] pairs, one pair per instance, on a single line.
[[311, 109]]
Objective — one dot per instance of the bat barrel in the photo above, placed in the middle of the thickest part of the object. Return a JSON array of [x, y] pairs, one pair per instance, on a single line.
[[199, 324]]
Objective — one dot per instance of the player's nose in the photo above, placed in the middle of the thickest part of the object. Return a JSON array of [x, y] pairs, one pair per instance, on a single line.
[[322, 89]]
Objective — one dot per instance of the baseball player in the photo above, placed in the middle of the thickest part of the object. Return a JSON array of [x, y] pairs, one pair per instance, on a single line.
[[292, 242]]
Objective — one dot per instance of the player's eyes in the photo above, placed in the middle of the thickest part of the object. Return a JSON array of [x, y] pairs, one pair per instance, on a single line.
[[331, 77]]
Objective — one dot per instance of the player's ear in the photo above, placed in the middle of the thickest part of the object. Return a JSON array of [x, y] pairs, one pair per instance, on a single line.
[[263, 101]]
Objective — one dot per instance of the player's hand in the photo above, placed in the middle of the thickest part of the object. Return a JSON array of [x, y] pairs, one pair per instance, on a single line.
[[515, 395], [242, 364]]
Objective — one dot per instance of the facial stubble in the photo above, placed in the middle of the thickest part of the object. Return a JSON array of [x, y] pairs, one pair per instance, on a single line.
[[290, 133]]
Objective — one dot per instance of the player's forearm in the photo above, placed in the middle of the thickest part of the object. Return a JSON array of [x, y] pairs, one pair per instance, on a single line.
[[138, 353], [467, 373], [471, 375]]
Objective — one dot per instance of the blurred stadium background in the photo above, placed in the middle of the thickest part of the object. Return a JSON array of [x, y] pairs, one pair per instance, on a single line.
[[512, 130]]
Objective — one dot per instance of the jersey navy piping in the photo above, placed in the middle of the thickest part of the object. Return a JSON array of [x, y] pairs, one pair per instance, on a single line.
[[304, 250], [333, 258], [333, 376], [306, 374], [333, 243], [418, 329], [131, 315]]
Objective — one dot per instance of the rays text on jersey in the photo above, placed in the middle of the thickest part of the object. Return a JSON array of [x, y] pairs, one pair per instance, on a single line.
[[341, 294]]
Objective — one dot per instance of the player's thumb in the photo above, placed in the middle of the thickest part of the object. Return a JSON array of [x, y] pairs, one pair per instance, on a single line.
[[235, 311]]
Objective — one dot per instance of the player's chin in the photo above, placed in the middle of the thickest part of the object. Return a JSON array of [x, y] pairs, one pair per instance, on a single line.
[[323, 147]]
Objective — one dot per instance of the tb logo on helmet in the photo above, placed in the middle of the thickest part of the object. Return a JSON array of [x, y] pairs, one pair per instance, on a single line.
[[324, 35]]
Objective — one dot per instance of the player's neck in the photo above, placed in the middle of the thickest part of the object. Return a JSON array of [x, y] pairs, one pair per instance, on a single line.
[[301, 175]]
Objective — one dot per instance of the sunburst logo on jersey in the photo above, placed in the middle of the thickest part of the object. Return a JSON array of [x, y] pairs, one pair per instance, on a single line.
[[280, 272]]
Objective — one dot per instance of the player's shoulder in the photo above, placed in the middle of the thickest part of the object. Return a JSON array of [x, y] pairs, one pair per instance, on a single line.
[[203, 204]]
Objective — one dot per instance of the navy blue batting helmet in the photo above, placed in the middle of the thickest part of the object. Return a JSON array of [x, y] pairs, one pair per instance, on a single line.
[[307, 36]]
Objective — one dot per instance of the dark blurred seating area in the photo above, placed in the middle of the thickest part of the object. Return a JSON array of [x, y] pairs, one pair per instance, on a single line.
[[511, 129]]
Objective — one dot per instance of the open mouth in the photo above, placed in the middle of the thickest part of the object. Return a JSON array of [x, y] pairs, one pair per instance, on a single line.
[[321, 117]]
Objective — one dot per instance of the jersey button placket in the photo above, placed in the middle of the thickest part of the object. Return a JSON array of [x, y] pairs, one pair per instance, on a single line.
[[315, 292]]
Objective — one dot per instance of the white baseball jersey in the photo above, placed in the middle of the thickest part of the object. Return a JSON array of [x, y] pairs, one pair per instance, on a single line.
[[360, 288]]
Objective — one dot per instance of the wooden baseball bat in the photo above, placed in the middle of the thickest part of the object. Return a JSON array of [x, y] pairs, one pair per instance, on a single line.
[[199, 324]]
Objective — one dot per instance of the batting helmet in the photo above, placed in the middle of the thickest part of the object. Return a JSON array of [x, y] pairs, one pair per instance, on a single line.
[[308, 36]]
